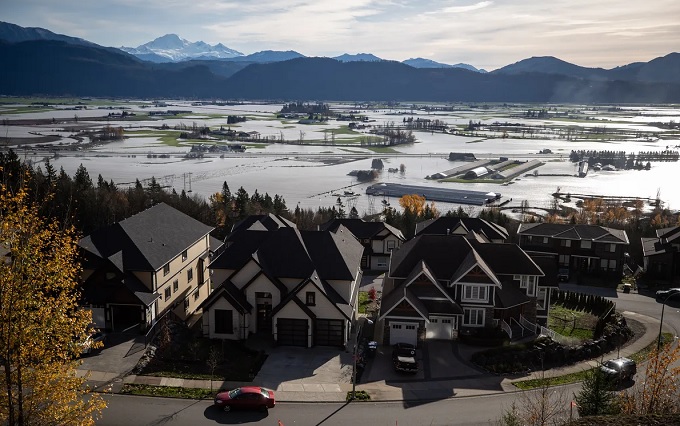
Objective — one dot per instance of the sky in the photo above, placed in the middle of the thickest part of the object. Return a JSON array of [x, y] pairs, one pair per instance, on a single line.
[[486, 34]]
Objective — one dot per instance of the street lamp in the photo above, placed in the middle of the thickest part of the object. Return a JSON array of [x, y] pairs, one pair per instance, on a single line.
[[359, 325], [663, 306]]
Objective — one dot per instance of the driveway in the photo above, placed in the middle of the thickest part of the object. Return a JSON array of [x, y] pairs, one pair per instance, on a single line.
[[437, 359], [119, 355], [288, 368]]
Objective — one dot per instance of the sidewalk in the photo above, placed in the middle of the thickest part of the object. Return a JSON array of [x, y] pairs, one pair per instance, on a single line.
[[299, 391]]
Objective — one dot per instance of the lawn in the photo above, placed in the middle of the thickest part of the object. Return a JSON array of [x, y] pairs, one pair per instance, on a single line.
[[571, 323], [166, 391]]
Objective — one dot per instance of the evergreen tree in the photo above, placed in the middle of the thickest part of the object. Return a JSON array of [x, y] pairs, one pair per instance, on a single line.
[[596, 397]]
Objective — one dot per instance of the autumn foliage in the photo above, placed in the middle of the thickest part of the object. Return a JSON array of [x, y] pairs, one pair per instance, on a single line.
[[40, 320]]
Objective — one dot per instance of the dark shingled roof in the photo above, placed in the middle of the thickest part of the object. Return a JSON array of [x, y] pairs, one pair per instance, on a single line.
[[360, 228], [291, 253], [548, 265], [445, 224], [509, 296], [147, 240], [229, 291], [446, 256], [574, 232], [263, 222]]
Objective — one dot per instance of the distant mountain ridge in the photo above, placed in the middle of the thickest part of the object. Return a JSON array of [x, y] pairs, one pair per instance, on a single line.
[[73, 67], [428, 63]]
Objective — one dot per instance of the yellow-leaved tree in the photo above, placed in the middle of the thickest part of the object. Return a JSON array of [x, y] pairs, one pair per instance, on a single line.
[[40, 320]]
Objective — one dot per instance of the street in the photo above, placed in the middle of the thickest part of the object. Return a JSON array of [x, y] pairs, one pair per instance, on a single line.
[[484, 410]]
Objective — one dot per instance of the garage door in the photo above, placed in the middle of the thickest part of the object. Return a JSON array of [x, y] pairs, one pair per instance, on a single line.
[[329, 332], [126, 317], [291, 332], [403, 332], [440, 328]]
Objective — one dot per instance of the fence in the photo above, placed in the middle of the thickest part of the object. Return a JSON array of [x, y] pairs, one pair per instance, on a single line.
[[505, 327], [563, 340], [525, 323]]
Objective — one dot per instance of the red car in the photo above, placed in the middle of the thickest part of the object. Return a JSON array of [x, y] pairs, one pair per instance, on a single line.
[[247, 397]]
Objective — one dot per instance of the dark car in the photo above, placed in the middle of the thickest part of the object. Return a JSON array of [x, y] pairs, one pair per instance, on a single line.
[[247, 398], [619, 369], [404, 358], [670, 294], [563, 274]]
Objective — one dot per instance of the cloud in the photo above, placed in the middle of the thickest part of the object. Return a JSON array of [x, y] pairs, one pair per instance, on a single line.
[[461, 9]]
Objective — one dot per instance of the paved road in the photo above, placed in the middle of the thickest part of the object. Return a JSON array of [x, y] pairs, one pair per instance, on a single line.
[[485, 410]]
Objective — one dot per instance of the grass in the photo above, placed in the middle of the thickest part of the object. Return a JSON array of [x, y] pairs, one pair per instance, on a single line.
[[382, 149], [571, 323], [638, 357], [166, 391]]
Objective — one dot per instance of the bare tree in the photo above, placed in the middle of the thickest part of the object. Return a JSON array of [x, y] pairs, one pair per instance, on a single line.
[[214, 358]]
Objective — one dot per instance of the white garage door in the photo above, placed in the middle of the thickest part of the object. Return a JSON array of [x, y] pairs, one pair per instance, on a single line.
[[403, 332], [440, 328]]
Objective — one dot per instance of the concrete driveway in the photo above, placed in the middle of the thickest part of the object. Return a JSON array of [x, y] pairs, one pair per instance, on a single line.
[[437, 359], [119, 355], [292, 368]]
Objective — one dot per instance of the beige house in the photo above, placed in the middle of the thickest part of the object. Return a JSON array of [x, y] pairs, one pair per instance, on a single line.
[[136, 270], [300, 287]]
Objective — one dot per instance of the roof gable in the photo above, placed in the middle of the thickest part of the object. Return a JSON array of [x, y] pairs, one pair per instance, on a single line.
[[147, 240]]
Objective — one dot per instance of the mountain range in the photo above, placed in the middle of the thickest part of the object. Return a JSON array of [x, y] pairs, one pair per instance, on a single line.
[[46, 63]]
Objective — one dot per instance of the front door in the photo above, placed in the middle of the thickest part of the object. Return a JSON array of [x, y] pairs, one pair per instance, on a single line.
[[263, 302]]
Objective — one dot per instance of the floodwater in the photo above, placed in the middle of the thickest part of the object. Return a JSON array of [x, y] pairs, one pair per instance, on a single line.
[[313, 176]]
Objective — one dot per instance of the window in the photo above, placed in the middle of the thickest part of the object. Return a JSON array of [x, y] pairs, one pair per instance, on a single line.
[[529, 238], [391, 245], [545, 240], [612, 264], [446, 321], [565, 243], [473, 317], [612, 248], [186, 305], [168, 293], [564, 260], [175, 286], [382, 263], [541, 298], [190, 274], [185, 255], [197, 293], [224, 321], [603, 263], [529, 282], [310, 298], [474, 292], [586, 244], [166, 269]]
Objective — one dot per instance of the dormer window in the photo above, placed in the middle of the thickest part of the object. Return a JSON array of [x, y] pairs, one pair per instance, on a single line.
[[310, 298], [185, 255]]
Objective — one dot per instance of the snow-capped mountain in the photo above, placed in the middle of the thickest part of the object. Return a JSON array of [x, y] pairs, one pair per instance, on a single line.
[[172, 48]]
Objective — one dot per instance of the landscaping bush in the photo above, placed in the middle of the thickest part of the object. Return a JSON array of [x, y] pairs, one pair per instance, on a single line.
[[358, 396]]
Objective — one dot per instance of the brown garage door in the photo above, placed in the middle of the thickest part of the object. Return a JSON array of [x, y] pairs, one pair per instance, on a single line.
[[329, 332], [291, 332]]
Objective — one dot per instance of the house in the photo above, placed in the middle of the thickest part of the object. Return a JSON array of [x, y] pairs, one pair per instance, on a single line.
[[584, 249], [136, 270], [662, 254], [441, 285], [378, 239], [471, 227], [301, 287]]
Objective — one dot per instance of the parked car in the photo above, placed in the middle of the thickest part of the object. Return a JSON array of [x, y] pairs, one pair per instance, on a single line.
[[247, 397], [404, 358], [619, 369], [670, 294], [91, 342], [563, 274]]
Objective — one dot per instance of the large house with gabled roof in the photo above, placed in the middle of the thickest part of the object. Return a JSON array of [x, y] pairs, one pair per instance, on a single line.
[[661, 254], [301, 287], [584, 249], [378, 238], [136, 270], [440, 285]]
